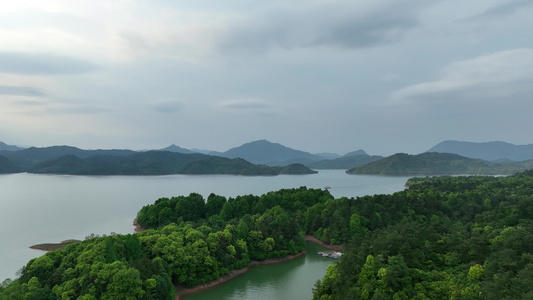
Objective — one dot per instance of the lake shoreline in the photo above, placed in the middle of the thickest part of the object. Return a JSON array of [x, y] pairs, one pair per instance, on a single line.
[[313, 239], [181, 291], [54, 246], [235, 273], [232, 274]]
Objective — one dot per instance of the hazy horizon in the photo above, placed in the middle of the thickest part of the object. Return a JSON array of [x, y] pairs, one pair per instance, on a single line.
[[224, 150]]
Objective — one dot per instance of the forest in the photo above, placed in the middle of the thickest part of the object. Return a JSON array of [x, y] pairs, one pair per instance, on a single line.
[[443, 238], [468, 237]]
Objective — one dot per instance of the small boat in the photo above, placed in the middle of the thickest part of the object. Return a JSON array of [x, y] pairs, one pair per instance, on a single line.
[[330, 254]]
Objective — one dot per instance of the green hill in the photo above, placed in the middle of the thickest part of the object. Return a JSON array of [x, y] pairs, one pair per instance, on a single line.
[[295, 169], [6, 147], [6, 166], [158, 163], [268, 153], [490, 151], [432, 163], [28, 158], [345, 162]]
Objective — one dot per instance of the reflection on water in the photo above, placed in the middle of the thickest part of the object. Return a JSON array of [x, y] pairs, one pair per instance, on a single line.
[[288, 280]]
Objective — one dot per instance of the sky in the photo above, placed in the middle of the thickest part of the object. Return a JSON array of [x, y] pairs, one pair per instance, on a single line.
[[385, 76]]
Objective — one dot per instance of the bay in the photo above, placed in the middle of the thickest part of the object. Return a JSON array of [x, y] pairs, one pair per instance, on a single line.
[[293, 280], [51, 208]]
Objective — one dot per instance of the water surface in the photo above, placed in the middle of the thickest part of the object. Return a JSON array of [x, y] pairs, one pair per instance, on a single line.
[[293, 280]]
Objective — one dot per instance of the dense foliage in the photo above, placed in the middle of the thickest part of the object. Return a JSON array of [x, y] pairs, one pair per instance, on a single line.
[[189, 241], [444, 238], [432, 163]]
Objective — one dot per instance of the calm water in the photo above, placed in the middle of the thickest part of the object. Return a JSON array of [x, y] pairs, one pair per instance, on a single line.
[[51, 208], [289, 280]]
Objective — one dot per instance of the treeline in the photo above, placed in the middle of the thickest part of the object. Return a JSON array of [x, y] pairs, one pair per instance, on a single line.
[[443, 238], [188, 241]]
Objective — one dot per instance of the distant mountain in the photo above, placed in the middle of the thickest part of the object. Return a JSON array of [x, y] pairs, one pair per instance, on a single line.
[[345, 162], [490, 151], [75, 161], [268, 153], [357, 152], [6, 147], [159, 163], [6, 166], [296, 169], [432, 163], [196, 150], [327, 155], [27, 158], [178, 149]]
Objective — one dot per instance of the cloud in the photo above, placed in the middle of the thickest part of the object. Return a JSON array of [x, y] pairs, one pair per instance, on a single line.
[[244, 104], [373, 30], [494, 75], [43, 64], [20, 91], [344, 24], [505, 9], [167, 106], [64, 108]]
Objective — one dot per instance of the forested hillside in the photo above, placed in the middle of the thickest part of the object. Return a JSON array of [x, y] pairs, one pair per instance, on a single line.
[[432, 163], [190, 241], [444, 238], [74, 161]]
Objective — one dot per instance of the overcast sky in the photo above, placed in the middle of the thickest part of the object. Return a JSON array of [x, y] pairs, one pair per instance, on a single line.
[[316, 75]]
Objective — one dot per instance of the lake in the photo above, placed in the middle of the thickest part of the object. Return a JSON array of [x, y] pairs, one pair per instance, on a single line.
[[52, 208]]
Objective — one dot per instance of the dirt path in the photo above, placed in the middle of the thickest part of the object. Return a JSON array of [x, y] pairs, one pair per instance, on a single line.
[[313, 239]]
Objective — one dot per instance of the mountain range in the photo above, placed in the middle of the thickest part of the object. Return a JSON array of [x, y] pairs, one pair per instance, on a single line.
[[267, 158], [490, 151], [275, 154], [434, 163], [75, 161]]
